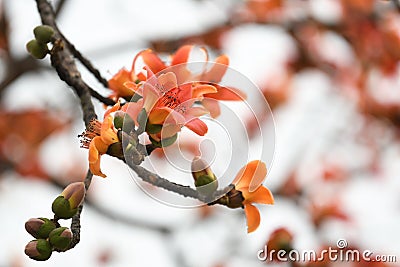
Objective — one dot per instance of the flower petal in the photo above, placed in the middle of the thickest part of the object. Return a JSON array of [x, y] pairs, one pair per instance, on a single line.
[[252, 174], [168, 81], [111, 110], [96, 149], [158, 115], [196, 111], [212, 106], [181, 55], [200, 89], [227, 93], [197, 126], [218, 70], [107, 132], [252, 216], [150, 59], [262, 196], [116, 83]]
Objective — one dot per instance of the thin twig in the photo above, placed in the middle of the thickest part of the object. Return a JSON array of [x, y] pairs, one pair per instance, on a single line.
[[85, 61]]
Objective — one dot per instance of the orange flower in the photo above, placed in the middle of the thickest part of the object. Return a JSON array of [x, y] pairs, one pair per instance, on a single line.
[[97, 138], [248, 182], [171, 106]]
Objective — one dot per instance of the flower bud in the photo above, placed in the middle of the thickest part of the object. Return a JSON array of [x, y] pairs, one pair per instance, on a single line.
[[39, 250], [204, 179], [60, 238], [43, 33], [39, 227], [153, 128], [66, 205], [36, 49], [233, 199]]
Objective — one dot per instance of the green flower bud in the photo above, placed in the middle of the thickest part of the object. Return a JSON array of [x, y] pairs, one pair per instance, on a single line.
[[206, 185], [66, 205], [62, 208], [75, 194], [204, 179], [123, 121], [43, 33], [164, 142], [36, 49], [60, 238], [39, 250], [39, 227]]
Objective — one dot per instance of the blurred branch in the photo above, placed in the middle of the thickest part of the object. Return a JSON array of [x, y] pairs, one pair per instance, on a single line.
[[397, 4], [59, 7]]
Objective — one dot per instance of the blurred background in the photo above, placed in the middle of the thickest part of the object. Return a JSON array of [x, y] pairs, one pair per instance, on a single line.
[[329, 70]]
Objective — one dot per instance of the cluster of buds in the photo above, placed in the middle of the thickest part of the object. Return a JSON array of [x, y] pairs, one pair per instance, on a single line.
[[49, 235], [38, 47]]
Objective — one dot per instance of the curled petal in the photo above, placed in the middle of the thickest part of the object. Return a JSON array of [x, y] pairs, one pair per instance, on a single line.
[[251, 176], [113, 109], [197, 126], [96, 148], [150, 96], [212, 106], [218, 70], [107, 132], [200, 89], [150, 59], [261, 195], [252, 217]]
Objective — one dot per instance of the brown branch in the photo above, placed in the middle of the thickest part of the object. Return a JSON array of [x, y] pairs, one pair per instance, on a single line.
[[182, 190], [76, 220]]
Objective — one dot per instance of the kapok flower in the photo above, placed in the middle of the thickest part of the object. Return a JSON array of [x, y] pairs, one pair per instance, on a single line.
[[118, 83], [97, 138], [170, 106], [248, 182]]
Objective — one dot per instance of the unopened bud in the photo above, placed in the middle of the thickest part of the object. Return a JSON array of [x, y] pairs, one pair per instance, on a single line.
[[75, 194], [204, 179], [60, 238], [66, 205], [36, 49], [39, 250], [39, 227], [43, 33]]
